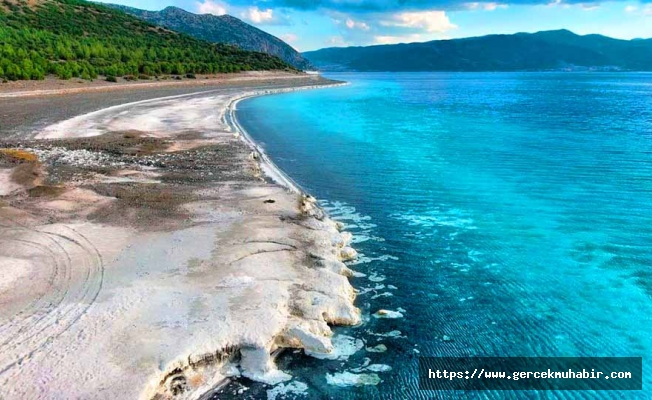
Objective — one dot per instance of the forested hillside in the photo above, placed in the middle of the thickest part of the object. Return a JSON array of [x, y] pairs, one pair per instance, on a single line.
[[221, 29], [75, 38]]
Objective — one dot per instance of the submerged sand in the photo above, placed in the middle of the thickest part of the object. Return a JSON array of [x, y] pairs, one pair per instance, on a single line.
[[144, 255]]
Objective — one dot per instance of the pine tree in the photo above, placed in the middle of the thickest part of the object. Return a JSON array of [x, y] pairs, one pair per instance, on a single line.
[[73, 38]]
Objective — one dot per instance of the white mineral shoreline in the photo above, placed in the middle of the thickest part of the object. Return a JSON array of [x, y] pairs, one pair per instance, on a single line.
[[165, 314], [270, 169]]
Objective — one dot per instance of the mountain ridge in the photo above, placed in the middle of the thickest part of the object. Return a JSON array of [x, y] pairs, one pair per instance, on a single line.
[[77, 38], [544, 50], [220, 29]]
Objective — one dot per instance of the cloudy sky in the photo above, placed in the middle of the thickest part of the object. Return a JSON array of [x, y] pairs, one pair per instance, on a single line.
[[314, 24]]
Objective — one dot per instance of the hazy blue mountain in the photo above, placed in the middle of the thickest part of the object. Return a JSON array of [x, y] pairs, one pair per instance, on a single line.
[[548, 50], [221, 29]]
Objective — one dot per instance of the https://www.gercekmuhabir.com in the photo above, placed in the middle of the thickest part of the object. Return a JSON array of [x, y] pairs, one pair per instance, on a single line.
[[530, 373]]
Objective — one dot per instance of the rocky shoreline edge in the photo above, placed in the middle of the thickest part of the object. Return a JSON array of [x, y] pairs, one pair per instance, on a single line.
[[196, 268], [258, 363]]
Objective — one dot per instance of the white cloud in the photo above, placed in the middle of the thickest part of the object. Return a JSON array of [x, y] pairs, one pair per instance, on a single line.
[[484, 6], [558, 3], [645, 10], [289, 37], [494, 6], [397, 39], [258, 16], [429, 21], [252, 14], [336, 41], [351, 24], [210, 7], [589, 6]]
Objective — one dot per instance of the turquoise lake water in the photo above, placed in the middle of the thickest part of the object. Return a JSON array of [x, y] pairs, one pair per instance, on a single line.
[[502, 214]]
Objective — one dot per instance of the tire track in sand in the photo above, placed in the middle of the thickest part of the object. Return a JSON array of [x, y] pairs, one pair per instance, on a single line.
[[63, 286]]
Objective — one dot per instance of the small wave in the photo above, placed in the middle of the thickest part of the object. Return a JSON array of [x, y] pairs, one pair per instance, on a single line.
[[378, 368], [282, 390], [368, 366], [361, 238], [452, 218], [376, 278], [344, 379], [350, 217], [343, 347], [389, 314], [363, 259], [374, 289], [391, 334], [381, 348], [474, 255]]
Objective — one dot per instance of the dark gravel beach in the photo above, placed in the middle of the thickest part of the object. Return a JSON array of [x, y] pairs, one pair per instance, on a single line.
[[22, 117]]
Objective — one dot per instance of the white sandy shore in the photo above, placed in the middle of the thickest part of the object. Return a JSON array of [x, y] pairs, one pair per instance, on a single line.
[[98, 311]]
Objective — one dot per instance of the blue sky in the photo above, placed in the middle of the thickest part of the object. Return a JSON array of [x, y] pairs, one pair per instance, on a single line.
[[313, 24]]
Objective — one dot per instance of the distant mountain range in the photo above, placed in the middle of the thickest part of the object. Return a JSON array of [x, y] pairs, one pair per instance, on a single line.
[[549, 50], [220, 29]]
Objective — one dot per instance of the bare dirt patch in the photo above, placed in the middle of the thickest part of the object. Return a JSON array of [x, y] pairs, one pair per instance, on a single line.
[[132, 143], [148, 183]]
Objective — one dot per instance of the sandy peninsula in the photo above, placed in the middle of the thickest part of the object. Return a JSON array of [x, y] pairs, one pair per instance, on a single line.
[[146, 254]]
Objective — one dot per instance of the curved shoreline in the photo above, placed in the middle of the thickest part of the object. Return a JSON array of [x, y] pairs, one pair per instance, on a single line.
[[310, 208], [204, 229], [269, 167], [271, 170]]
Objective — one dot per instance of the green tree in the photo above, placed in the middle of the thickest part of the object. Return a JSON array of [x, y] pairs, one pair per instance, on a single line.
[[70, 38], [64, 72], [38, 74], [13, 72]]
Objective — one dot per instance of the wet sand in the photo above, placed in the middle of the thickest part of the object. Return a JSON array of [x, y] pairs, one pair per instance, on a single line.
[[145, 254]]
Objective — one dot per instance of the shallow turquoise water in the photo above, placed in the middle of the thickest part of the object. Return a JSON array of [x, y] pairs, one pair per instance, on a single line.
[[512, 212]]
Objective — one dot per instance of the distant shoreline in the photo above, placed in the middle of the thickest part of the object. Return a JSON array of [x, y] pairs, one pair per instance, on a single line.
[[55, 87]]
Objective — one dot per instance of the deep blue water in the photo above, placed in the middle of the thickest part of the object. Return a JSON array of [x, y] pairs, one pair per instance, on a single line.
[[512, 212]]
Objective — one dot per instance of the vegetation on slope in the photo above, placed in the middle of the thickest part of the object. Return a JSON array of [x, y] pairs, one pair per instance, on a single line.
[[221, 29], [75, 38]]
